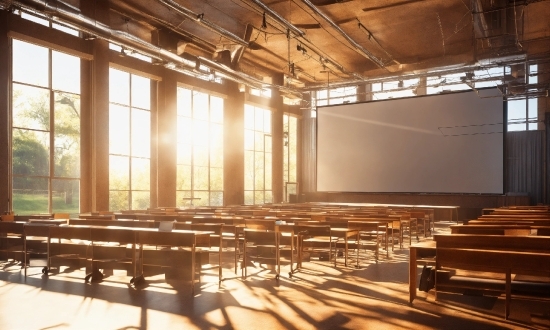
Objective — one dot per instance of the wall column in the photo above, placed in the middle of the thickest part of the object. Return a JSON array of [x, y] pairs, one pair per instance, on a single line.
[[167, 140], [5, 64], [99, 113], [233, 149]]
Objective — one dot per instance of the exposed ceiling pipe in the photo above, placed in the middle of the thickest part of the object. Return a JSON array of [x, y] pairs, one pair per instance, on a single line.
[[277, 17], [358, 47], [200, 20], [480, 23], [125, 9], [73, 17]]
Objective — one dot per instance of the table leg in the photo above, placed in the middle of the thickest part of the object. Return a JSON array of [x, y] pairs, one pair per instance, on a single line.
[[412, 274]]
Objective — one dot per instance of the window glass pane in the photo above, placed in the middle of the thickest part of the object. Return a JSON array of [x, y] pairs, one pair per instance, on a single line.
[[119, 130], [248, 117], [249, 139], [141, 136], [259, 197], [200, 155], [259, 141], [31, 107], [67, 135], [533, 78], [516, 110], [30, 152], [202, 198], [141, 92], [249, 197], [322, 94], [140, 200], [533, 113], [141, 173], [119, 173], [30, 64], [65, 196], [216, 198], [200, 105], [268, 197], [65, 72], [34, 18], [185, 130], [267, 143], [200, 132], [268, 171], [216, 109], [30, 195], [200, 178], [183, 177], [216, 178], [119, 200], [65, 29], [119, 87], [182, 198], [258, 120], [184, 102], [216, 145], [259, 170], [249, 170], [267, 121], [516, 127], [184, 154]]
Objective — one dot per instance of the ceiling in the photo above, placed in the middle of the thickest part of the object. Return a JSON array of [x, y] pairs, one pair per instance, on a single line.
[[315, 42]]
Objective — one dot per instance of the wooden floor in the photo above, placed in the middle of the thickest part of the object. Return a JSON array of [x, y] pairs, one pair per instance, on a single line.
[[375, 296]]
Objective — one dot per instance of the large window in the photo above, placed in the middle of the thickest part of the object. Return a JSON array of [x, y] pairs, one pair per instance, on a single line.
[[523, 113], [337, 96], [290, 145], [200, 149], [257, 156], [45, 130], [129, 141], [394, 89]]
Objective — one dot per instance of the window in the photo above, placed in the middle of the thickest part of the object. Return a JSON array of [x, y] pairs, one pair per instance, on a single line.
[[129, 141], [394, 89], [200, 149], [257, 156], [336, 96], [523, 113], [45, 130], [290, 145], [42, 20], [266, 92], [447, 83]]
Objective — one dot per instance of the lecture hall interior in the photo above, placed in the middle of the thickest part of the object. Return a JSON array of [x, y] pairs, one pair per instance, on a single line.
[[274, 164]]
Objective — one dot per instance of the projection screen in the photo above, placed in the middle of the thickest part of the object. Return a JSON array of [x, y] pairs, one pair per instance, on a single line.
[[446, 143]]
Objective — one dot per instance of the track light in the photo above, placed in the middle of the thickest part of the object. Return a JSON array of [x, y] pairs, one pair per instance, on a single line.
[[264, 23], [200, 16]]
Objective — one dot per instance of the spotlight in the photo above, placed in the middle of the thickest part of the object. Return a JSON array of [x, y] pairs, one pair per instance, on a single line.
[[264, 23]]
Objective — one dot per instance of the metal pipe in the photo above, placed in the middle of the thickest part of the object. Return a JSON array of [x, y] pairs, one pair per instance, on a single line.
[[207, 24], [73, 17], [274, 15], [358, 47]]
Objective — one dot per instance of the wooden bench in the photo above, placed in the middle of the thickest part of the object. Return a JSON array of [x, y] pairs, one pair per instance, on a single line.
[[486, 263]]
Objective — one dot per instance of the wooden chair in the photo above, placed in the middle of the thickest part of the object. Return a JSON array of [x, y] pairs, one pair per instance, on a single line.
[[12, 240], [109, 247], [35, 246], [263, 247]]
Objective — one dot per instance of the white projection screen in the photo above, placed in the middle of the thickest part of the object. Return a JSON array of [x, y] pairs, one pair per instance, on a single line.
[[446, 143]]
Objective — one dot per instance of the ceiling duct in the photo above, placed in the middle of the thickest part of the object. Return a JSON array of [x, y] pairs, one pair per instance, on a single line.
[[277, 17], [358, 47], [203, 22], [73, 17]]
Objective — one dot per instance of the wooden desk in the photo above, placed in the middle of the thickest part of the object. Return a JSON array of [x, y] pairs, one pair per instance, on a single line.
[[425, 250], [345, 233]]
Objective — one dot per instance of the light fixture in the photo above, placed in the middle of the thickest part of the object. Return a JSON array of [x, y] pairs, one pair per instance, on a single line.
[[264, 23], [400, 84]]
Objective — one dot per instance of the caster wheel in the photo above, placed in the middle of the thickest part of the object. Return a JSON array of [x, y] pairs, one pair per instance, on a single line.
[[290, 275], [132, 280], [277, 277], [45, 270], [87, 278]]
